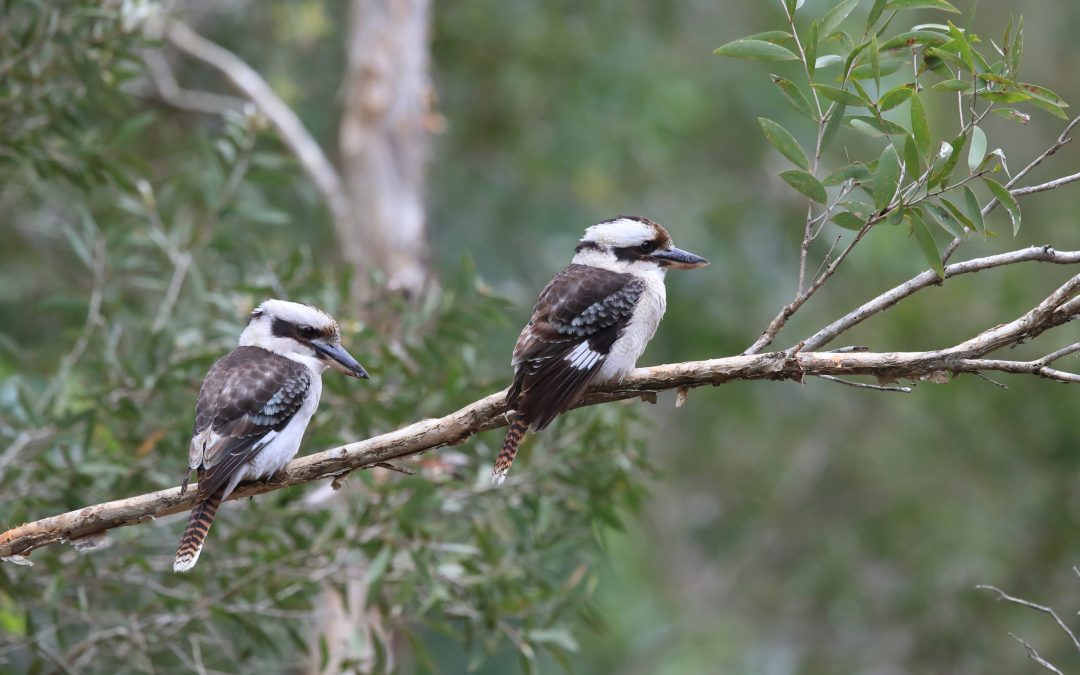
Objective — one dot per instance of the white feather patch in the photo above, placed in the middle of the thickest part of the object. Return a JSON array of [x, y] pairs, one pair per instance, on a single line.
[[583, 357]]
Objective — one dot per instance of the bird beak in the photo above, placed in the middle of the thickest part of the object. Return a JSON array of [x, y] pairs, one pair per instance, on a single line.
[[678, 259], [339, 359]]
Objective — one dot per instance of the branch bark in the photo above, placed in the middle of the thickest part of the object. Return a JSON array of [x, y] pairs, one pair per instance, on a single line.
[[487, 413]]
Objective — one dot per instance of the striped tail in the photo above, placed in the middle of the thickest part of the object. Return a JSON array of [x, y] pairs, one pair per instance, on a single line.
[[517, 430], [202, 515]]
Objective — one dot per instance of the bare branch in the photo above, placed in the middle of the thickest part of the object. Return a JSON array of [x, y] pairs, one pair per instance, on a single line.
[[1034, 655], [170, 91], [289, 127], [1049, 185], [1002, 595], [1057, 145], [1061, 353], [930, 278]]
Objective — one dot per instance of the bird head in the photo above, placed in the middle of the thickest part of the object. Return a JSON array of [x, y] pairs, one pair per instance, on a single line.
[[633, 244], [300, 332]]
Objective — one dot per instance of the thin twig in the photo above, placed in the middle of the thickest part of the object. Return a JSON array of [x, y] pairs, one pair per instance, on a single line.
[[866, 385], [1034, 655], [1049, 185], [929, 278], [1002, 595], [1061, 353]]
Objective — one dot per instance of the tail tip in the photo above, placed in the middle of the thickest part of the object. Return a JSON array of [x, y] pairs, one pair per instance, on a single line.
[[498, 475], [185, 562]]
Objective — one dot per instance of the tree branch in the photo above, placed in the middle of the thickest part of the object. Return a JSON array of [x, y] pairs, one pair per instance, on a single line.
[[780, 320], [927, 278], [1002, 595], [487, 413], [289, 127]]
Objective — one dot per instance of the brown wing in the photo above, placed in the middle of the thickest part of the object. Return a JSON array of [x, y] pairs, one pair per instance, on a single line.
[[248, 396], [580, 313]]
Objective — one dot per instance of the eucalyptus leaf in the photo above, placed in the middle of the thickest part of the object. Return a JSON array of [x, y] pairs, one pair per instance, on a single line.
[[974, 211], [794, 95], [784, 142], [886, 177], [977, 149], [926, 243], [1002, 194], [758, 50], [840, 95], [921, 4], [805, 183]]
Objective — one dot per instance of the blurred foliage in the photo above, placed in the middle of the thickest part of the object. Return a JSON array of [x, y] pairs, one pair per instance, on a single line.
[[813, 529]]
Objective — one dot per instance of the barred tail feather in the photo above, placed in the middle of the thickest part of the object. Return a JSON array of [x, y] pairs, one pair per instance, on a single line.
[[517, 430], [202, 515]]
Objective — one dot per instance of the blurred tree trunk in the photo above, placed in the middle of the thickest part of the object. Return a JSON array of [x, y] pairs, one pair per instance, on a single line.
[[384, 140], [383, 148]]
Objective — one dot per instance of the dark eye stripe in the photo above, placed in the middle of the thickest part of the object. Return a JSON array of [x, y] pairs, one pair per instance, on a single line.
[[287, 329]]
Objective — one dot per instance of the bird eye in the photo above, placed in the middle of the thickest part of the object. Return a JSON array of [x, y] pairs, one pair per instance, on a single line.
[[647, 247], [308, 332]]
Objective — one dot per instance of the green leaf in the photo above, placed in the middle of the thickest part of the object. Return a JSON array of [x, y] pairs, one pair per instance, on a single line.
[[971, 202], [1018, 49], [833, 125], [848, 220], [920, 127], [958, 215], [377, 567], [1054, 110], [784, 142], [961, 86], [794, 96], [856, 171], [806, 184], [1005, 96], [756, 50], [886, 177], [777, 37], [941, 217], [895, 97], [840, 95], [810, 45], [912, 161], [1007, 200], [910, 39], [977, 150], [888, 66], [875, 14], [882, 125], [827, 61], [862, 127], [875, 61], [944, 169], [963, 45], [835, 16], [921, 4], [926, 243], [556, 636]]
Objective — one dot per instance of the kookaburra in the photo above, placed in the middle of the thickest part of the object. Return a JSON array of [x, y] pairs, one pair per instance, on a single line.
[[255, 404], [590, 324]]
